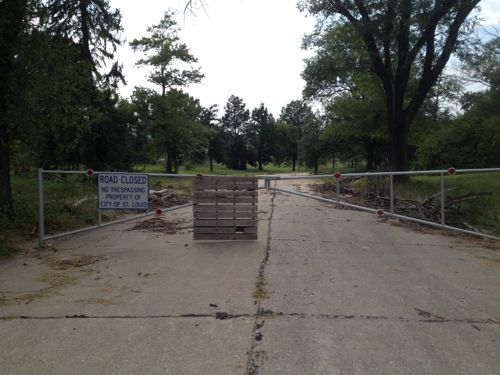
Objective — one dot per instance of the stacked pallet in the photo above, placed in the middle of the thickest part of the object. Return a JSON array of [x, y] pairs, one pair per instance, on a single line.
[[225, 208]]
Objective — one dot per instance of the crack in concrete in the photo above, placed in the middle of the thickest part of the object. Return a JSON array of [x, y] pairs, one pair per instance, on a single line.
[[217, 316], [262, 315], [255, 357]]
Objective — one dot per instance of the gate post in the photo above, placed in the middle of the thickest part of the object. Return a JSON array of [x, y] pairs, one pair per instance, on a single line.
[[391, 192], [442, 198], [41, 215]]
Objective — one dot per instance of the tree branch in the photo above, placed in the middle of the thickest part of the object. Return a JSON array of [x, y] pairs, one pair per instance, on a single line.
[[430, 75]]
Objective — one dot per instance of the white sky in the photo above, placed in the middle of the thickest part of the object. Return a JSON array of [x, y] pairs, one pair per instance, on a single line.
[[249, 48]]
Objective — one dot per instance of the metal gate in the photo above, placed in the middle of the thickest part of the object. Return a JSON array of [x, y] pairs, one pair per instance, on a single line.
[[239, 220], [380, 212]]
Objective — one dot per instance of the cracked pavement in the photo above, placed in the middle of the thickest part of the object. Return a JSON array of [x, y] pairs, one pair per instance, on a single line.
[[323, 291]]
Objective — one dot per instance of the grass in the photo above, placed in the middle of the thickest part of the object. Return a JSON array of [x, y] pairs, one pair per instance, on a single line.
[[6, 249], [70, 202], [219, 169]]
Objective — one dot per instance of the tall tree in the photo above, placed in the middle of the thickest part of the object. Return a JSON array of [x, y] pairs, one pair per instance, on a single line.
[[94, 27], [234, 123], [261, 133], [402, 39], [163, 53]]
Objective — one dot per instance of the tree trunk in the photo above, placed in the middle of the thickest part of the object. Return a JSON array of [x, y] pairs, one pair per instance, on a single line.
[[170, 164], [333, 160], [398, 153], [211, 159], [316, 166], [5, 188], [261, 167], [12, 16], [369, 155], [293, 164]]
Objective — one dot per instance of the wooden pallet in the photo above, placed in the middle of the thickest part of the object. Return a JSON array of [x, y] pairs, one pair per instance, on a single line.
[[225, 208]]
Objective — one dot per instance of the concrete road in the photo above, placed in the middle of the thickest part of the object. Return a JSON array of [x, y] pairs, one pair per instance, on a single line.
[[323, 291]]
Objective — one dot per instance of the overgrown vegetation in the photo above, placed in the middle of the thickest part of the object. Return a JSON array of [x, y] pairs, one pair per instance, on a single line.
[[472, 201]]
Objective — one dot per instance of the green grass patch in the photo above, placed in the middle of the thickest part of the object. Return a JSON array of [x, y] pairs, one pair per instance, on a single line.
[[219, 169], [6, 249]]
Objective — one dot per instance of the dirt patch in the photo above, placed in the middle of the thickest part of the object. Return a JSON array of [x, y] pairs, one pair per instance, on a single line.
[[157, 224], [71, 262], [97, 301], [56, 280], [418, 227], [491, 261], [61, 274]]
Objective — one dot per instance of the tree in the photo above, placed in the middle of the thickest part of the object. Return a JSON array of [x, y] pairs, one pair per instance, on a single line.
[[234, 123], [175, 127], [296, 113], [12, 22], [208, 118], [109, 145], [163, 53], [52, 129], [94, 27], [285, 143], [311, 146], [403, 39], [261, 132]]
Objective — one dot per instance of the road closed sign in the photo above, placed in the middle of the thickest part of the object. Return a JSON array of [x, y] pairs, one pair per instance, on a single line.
[[123, 191]]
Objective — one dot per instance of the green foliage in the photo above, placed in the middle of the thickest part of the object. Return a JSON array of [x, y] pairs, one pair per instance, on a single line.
[[208, 118], [286, 144], [233, 124], [296, 113], [481, 64], [91, 25], [175, 127], [311, 143], [261, 136]]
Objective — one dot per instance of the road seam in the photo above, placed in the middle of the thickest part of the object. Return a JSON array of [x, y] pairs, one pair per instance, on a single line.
[[252, 367], [263, 315]]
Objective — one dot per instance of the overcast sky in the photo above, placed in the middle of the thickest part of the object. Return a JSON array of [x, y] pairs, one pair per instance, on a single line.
[[249, 48]]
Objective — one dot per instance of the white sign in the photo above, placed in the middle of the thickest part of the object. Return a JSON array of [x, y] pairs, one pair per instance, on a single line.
[[123, 191]]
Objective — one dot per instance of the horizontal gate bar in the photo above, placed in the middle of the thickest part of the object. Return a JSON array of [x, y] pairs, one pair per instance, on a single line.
[[425, 222], [368, 174], [114, 222]]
